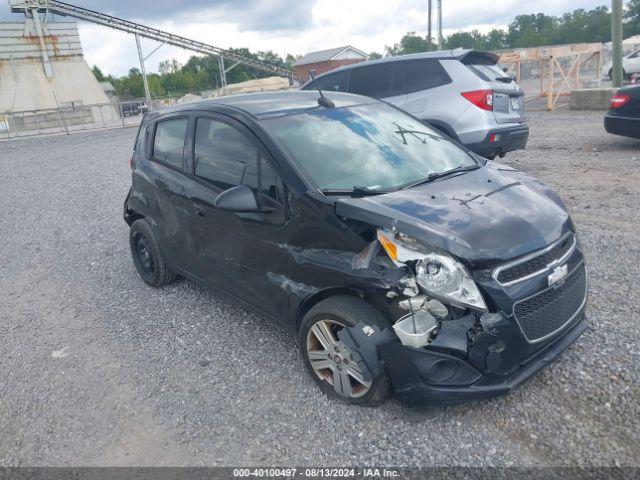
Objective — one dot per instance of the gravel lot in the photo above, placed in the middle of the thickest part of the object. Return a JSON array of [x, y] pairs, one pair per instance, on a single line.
[[96, 368]]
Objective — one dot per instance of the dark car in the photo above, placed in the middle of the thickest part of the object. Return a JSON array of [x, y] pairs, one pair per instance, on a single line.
[[132, 109], [623, 118], [399, 260]]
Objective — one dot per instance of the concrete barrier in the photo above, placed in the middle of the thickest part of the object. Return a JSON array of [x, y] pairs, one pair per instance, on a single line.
[[591, 98]]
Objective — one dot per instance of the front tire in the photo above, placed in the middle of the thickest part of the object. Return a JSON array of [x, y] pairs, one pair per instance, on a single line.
[[147, 257], [330, 362]]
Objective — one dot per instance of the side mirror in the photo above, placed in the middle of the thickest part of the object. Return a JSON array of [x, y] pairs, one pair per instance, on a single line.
[[237, 199]]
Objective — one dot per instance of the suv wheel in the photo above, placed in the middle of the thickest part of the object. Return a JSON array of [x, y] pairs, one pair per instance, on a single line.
[[330, 361], [147, 257]]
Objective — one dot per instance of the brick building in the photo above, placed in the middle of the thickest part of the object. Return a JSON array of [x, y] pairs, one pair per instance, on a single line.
[[326, 60]]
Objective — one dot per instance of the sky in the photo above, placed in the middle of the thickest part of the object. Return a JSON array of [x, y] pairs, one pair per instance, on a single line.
[[287, 26]]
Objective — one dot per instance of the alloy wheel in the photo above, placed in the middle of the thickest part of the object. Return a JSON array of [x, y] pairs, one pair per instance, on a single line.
[[333, 361]]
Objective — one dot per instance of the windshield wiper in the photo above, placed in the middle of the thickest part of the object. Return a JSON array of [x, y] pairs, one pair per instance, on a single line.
[[504, 79], [437, 175], [357, 191]]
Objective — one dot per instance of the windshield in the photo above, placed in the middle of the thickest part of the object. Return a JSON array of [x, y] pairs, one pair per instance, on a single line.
[[369, 146]]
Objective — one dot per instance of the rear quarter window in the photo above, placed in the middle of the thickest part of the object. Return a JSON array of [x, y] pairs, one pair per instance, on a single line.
[[420, 75]]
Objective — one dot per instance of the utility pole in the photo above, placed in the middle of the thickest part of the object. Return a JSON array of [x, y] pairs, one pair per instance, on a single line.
[[429, 37], [143, 70], [616, 42], [440, 24]]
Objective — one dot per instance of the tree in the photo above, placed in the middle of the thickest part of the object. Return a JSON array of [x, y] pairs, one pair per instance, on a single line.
[[98, 74], [410, 43], [375, 56], [460, 40], [632, 18], [169, 66], [496, 39]]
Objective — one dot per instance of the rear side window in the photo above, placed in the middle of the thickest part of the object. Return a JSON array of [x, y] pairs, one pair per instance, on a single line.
[[417, 75], [336, 82], [226, 157], [372, 81], [168, 143]]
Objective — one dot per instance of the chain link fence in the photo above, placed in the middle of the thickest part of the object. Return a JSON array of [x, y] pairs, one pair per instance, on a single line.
[[77, 117]]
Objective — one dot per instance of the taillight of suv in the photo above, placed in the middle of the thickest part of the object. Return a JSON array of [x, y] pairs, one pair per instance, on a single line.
[[480, 98], [619, 100]]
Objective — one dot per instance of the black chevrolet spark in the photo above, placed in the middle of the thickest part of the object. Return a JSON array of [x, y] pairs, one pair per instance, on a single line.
[[399, 260]]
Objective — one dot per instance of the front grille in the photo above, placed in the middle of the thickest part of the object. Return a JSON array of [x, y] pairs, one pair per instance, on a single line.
[[548, 311], [536, 264]]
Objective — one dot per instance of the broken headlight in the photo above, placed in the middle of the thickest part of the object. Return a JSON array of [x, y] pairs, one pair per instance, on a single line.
[[437, 274], [445, 278]]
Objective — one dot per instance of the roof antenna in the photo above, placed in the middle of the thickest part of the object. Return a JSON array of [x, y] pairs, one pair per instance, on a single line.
[[322, 101]]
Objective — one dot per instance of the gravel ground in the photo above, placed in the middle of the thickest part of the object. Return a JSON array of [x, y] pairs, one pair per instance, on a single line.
[[98, 369]]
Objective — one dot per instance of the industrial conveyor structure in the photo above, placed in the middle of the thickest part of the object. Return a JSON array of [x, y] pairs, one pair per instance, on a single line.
[[31, 8]]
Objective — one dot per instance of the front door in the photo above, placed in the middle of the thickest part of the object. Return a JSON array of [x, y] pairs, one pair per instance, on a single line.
[[239, 252]]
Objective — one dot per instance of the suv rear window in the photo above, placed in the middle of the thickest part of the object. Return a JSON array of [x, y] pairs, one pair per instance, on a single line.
[[168, 143], [488, 73], [372, 81]]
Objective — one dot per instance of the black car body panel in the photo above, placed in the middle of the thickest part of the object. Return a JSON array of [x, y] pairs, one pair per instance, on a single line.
[[305, 247], [625, 120], [455, 215]]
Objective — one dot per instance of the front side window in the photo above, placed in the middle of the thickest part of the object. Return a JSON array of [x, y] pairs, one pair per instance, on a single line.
[[374, 146], [372, 81], [336, 82], [168, 144], [227, 157]]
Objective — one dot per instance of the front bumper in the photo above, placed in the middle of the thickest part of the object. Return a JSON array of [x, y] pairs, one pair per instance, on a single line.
[[625, 126], [413, 371], [505, 140], [479, 356]]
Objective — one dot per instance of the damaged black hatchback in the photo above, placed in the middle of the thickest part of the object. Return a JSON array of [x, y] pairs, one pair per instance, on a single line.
[[401, 261]]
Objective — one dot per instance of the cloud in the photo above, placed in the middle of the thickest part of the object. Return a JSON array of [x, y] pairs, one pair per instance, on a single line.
[[255, 15], [288, 26]]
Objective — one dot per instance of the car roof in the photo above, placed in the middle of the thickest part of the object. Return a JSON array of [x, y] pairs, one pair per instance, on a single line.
[[465, 56], [271, 104]]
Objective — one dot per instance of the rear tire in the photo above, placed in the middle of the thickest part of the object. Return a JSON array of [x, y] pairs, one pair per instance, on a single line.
[[624, 74], [335, 372], [147, 257]]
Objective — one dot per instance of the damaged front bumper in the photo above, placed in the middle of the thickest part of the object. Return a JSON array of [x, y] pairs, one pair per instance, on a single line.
[[435, 376]]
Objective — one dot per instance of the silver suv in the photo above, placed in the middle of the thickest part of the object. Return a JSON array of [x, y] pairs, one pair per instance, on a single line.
[[462, 93]]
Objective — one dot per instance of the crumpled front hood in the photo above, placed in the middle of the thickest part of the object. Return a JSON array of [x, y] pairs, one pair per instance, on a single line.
[[491, 214]]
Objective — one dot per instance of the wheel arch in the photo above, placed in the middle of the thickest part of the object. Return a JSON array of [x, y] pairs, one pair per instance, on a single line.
[[442, 127], [315, 298], [131, 216]]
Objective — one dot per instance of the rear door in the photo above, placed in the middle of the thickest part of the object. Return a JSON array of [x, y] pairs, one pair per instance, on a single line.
[[421, 81], [508, 97], [164, 185]]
